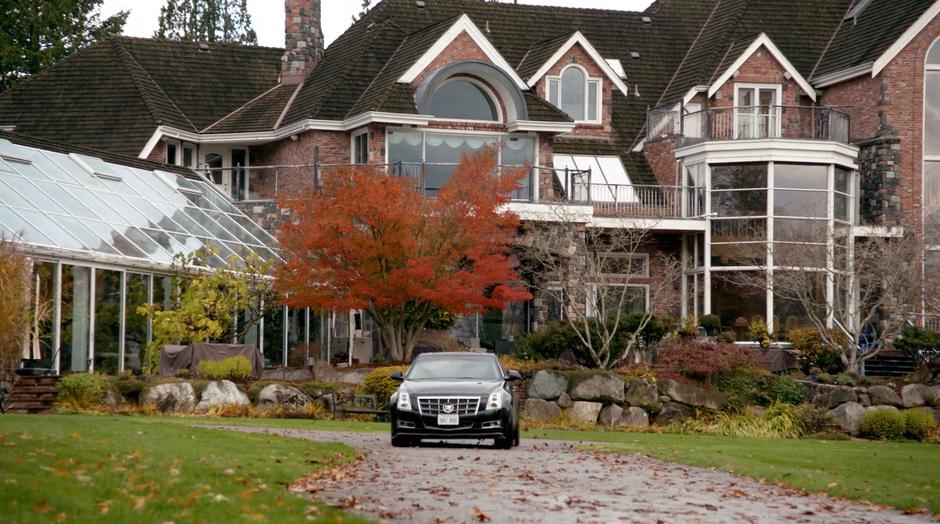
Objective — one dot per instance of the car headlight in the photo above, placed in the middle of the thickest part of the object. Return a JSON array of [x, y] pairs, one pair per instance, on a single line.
[[404, 401], [495, 401]]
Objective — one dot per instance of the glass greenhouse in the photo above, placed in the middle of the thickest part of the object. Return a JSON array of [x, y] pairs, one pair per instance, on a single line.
[[102, 237]]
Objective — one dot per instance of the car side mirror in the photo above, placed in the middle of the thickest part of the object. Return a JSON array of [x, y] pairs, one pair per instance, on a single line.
[[396, 375], [512, 376]]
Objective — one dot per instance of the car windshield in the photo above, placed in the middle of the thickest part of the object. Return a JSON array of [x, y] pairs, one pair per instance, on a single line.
[[455, 369]]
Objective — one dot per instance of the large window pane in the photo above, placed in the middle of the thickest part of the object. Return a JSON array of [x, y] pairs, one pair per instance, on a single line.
[[136, 329], [739, 203], [107, 320], [464, 100], [800, 255], [800, 203], [444, 152], [743, 230], [76, 319], [739, 255], [932, 201], [274, 338], [739, 299], [790, 312], [801, 176], [519, 151], [795, 230], [42, 288], [739, 176], [572, 92], [932, 114]]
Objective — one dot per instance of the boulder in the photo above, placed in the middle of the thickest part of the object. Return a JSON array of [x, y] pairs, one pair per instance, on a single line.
[[609, 415], [293, 375], [174, 397], [641, 393], [841, 395], [546, 385], [864, 399], [847, 415], [915, 395], [541, 410], [672, 412], [602, 388], [288, 398], [585, 411], [691, 395], [221, 393], [113, 400], [884, 396], [634, 417], [564, 401], [881, 408], [936, 414]]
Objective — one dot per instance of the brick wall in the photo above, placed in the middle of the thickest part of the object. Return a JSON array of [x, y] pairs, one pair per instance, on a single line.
[[890, 107], [761, 68], [661, 157]]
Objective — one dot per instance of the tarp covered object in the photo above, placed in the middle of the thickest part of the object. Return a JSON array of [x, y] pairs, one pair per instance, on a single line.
[[778, 359], [175, 358]]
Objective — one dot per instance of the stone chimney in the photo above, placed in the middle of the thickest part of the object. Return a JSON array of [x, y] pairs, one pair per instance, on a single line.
[[303, 40]]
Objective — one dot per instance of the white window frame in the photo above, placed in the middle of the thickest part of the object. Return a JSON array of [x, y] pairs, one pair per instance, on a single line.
[[927, 158], [756, 88], [486, 90], [588, 79], [192, 156], [353, 145], [178, 157]]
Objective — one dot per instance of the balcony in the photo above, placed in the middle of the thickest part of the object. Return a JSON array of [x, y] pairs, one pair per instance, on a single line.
[[266, 184], [750, 123]]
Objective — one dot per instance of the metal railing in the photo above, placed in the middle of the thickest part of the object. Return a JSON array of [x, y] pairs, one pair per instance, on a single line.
[[555, 185], [662, 123], [759, 122]]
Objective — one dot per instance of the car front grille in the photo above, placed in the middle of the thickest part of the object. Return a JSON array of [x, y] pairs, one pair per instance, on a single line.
[[461, 405]]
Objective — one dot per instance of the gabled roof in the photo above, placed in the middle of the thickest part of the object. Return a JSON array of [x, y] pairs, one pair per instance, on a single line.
[[860, 42], [260, 114], [799, 28], [114, 94], [578, 38], [762, 41]]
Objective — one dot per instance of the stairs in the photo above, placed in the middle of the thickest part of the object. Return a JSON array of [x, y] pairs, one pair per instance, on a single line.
[[33, 394], [890, 363]]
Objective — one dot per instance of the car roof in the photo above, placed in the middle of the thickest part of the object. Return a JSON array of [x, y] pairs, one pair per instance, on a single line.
[[456, 354]]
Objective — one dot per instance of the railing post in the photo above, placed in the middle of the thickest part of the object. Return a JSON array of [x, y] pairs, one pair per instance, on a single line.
[[590, 186]]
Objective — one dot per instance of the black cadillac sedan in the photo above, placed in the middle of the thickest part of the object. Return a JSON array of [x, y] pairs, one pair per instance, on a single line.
[[455, 396]]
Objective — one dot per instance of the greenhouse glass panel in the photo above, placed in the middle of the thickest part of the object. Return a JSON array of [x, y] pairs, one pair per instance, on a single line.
[[82, 203]]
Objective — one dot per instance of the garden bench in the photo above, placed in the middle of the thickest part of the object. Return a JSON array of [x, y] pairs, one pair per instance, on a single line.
[[358, 405]]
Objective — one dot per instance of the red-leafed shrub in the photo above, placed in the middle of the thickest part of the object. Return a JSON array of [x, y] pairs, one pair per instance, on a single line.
[[706, 360]]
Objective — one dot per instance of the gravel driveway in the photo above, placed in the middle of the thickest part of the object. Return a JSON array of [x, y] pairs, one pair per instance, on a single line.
[[552, 481]]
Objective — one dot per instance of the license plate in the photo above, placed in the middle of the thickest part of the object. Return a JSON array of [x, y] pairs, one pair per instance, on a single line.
[[448, 420]]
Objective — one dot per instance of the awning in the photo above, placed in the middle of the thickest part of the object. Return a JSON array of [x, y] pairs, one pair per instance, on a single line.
[[609, 179], [80, 206]]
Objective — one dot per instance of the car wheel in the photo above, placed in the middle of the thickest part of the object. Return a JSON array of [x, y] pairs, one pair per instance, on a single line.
[[515, 436], [401, 442]]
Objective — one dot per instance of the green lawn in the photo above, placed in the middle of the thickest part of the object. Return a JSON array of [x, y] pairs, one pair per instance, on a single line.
[[904, 475], [88, 468]]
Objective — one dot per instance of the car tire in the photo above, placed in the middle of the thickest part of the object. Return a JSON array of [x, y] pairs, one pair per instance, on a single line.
[[515, 437], [402, 442], [504, 443]]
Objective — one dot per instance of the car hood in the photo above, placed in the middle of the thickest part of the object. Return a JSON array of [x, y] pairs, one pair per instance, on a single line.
[[451, 387]]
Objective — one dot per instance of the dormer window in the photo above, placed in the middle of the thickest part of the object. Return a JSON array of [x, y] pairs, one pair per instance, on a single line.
[[577, 94], [464, 99]]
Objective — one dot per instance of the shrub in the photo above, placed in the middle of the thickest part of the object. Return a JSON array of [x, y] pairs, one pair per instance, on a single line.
[[815, 420], [759, 333], [814, 353], [843, 379], [379, 382], [726, 337], [914, 338], [782, 388], [548, 343], [711, 323], [129, 387], [779, 421], [743, 385], [182, 373], [231, 368], [83, 390], [918, 424], [705, 360], [318, 389], [881, 424]]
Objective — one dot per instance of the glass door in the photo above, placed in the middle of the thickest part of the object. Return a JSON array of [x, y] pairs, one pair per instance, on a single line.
[[757, 112]]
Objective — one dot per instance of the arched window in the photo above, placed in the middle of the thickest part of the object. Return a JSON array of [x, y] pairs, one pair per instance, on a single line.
[[464, 99], [576, 94], [931, 197]]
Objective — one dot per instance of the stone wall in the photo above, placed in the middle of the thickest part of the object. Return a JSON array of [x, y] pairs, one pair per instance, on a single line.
[[880, 180]]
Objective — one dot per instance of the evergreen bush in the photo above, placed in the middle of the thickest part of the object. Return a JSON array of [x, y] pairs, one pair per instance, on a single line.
[[881, 424], [237, 368]]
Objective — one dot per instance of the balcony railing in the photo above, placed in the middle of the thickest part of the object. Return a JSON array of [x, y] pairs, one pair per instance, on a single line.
[[751, 123], [558, 186]]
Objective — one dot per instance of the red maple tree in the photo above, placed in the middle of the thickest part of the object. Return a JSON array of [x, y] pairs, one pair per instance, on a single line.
[[374, 242]]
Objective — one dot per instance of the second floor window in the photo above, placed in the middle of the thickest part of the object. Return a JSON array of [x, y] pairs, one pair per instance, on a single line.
[[577, 94]]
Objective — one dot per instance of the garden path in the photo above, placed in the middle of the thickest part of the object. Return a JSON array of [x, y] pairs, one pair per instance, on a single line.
[[545, 482]]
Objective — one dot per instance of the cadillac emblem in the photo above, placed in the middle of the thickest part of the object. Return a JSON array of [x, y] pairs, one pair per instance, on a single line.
[[448, 408]]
